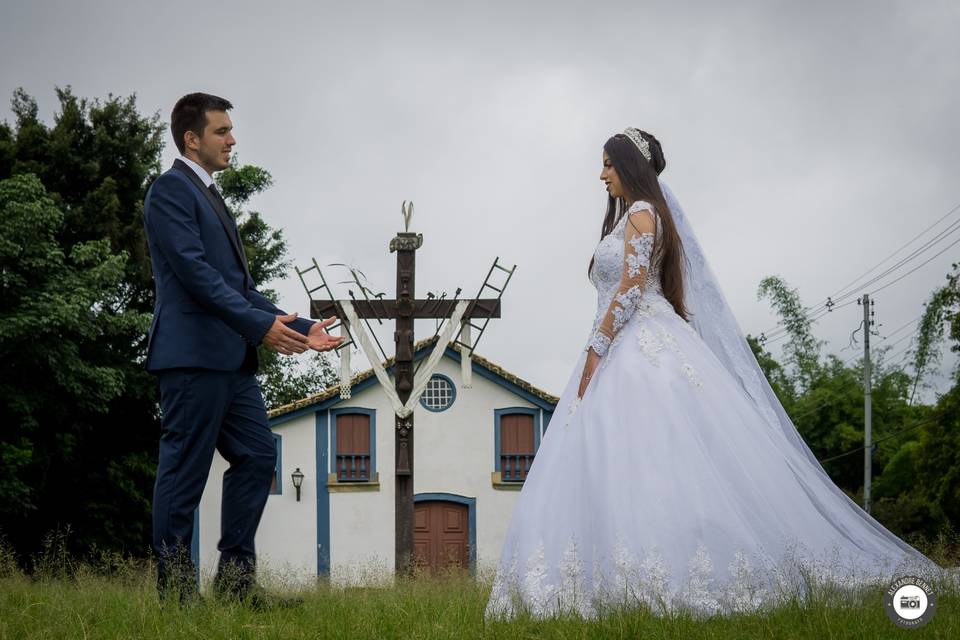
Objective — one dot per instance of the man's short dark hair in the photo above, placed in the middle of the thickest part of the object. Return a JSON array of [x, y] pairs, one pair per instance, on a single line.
[[190, 114]]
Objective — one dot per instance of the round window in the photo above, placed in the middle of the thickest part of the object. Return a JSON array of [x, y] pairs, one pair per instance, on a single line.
[[439, 394]]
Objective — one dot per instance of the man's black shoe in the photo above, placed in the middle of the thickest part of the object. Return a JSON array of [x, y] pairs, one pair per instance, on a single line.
[[231, 586], [177, 580], [254, 596]]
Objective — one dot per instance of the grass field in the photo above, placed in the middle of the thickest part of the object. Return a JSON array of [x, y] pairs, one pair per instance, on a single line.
[[116, 599]]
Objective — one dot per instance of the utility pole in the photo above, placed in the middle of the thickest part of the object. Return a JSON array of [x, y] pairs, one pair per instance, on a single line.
[[867, 403]]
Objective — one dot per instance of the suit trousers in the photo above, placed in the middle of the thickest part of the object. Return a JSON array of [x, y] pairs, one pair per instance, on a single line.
[[204, 411]]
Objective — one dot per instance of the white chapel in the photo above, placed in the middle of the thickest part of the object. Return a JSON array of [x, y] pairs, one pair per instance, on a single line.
[[472, 449]]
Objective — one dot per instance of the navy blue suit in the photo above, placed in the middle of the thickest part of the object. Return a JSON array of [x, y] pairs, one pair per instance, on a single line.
[[208, 320]]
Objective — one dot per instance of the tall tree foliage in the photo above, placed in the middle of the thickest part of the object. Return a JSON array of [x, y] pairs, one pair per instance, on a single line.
[[803, 349], [96, 471], [59, 308], [941, 311], [937, 463]]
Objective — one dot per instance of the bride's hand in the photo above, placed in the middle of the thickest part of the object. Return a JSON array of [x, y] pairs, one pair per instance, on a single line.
[[589, 368]]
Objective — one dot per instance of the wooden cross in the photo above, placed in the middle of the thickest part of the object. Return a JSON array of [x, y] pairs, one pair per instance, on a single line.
[[405, 309]]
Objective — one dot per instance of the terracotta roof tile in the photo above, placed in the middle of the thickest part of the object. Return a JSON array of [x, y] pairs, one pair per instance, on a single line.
[[330, 392]]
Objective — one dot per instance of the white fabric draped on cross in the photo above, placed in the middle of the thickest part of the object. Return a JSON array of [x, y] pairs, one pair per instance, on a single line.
[[426, 370]]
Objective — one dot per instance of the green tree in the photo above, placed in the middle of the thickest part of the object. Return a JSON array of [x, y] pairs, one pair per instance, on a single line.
[[775, 373], [937, 461], [943, 309], [57, 308], [802, 349], [94, 162]]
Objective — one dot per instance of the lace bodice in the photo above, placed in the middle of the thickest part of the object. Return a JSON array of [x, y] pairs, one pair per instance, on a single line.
[[623, 274]]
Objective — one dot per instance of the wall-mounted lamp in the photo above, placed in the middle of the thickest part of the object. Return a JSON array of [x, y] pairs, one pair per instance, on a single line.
[[297, 477]]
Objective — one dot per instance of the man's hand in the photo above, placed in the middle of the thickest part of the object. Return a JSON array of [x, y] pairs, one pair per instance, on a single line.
[[319, 340], [283, 339], [589, 368]]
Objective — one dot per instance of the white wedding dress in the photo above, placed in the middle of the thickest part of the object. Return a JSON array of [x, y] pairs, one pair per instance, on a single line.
[[669, 484]]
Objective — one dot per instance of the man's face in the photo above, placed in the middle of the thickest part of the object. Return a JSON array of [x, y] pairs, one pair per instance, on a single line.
[[215, 145]]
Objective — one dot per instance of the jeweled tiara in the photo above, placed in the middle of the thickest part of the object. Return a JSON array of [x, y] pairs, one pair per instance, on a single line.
[[637, 138]]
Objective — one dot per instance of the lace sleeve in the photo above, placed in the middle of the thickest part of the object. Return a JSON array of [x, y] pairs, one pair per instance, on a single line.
[[638, 237]]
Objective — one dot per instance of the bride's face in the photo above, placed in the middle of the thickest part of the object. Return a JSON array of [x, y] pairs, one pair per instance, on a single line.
[[610, 178]]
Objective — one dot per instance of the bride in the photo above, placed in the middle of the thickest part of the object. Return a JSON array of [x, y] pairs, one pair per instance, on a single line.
[[670, 475]]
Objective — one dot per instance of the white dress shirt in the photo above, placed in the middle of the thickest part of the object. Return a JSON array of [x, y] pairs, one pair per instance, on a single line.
[[200, 171]]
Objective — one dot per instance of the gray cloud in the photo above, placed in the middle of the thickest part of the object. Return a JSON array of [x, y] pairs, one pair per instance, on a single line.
[[807, 140]]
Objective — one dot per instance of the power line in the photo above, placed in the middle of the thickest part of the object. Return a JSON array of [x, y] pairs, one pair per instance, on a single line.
[[899, 340], [901, 248], [906, 354], [953, 228], [845, 291], [899, 366], [937, 255], [780, 334], [901, 328], [831, 304]]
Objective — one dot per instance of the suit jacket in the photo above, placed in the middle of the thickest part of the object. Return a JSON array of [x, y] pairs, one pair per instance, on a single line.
[[207, 312]]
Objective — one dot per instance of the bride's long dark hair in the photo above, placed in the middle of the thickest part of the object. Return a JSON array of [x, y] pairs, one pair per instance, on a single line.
[[638, 176]]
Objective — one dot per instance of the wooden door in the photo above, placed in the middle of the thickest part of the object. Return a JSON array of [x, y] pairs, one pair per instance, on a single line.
[[441, 535]]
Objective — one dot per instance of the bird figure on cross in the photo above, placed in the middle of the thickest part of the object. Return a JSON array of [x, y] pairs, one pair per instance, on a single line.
[[407, 214]]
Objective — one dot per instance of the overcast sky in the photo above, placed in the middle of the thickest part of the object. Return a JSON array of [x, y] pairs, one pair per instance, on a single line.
[[804, 139]]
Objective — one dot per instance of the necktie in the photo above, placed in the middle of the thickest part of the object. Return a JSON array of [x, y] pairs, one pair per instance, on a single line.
[[236, 231], [216, 194]]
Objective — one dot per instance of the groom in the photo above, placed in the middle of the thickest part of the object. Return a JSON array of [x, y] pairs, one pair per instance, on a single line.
[[208, 320]]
